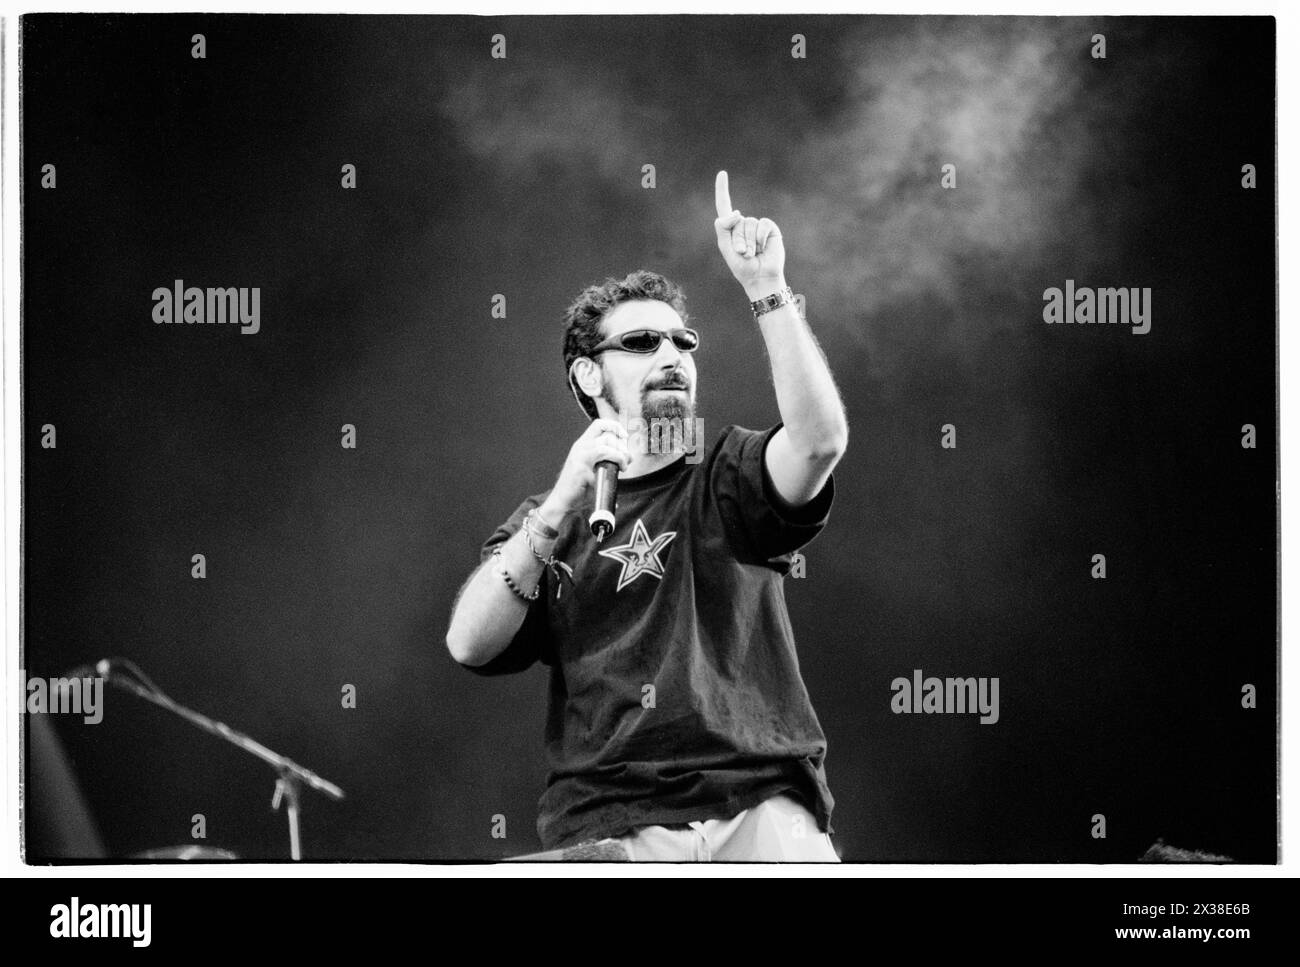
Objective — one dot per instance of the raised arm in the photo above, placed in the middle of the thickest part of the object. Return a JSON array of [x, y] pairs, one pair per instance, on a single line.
[[802, 454]]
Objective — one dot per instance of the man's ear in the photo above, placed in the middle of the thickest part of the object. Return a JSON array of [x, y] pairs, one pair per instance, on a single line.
[[586, 374]]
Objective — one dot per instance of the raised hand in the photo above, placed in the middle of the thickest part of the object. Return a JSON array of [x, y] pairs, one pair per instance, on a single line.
[[752, 247]]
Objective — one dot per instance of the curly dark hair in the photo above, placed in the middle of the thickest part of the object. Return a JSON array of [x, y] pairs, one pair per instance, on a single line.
[[583, 317]]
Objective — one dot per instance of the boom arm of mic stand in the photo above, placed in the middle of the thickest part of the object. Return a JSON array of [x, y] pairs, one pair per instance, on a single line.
[[290, 773]]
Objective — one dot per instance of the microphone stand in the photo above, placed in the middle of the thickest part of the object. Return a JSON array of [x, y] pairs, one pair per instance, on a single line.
[[291, 775]]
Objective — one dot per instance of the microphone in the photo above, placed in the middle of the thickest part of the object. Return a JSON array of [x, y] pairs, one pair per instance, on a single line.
[[601, 520]]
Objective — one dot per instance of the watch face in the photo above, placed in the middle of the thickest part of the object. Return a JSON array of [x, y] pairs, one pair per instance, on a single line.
[[773, 301]]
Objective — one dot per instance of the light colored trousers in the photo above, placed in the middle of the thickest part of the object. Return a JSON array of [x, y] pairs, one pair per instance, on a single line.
[[777, 830]]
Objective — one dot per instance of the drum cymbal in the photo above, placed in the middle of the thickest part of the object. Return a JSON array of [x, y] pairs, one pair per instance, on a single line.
[[192, 851]]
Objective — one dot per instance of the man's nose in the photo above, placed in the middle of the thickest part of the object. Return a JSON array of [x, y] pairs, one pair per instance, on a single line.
[[672, 365], [667, 360]]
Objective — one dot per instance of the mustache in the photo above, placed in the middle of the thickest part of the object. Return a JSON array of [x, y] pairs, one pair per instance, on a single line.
[[678, 381]]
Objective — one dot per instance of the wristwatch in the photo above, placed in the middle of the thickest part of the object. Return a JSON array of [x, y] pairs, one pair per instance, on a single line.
[[781, 297]]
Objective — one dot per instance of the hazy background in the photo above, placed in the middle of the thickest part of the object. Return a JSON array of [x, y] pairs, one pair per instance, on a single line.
[[522, 176]]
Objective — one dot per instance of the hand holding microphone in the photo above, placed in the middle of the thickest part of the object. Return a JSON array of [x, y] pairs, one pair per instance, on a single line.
[[593, 465]]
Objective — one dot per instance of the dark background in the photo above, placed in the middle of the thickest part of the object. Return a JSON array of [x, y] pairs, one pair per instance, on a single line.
[[522, 176]]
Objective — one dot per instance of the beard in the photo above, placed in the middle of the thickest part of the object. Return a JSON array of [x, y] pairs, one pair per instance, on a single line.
[[666, 406], [668, 422], [654, 406]]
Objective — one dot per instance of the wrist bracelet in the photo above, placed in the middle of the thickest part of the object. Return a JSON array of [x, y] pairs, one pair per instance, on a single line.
[[545, 529], [528, 539], [783, 296], [501, 569], [558, 568]]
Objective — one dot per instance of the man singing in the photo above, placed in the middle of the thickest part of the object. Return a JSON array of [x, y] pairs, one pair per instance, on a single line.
[[678, 725]]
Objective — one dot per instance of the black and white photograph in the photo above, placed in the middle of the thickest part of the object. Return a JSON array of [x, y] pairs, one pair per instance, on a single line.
[[659, 438]]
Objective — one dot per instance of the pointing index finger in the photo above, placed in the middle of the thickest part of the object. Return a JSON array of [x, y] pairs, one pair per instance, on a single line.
[[722, 195]]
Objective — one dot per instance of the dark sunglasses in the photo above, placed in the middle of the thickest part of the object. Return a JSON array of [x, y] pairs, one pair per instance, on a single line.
[[648, 340]]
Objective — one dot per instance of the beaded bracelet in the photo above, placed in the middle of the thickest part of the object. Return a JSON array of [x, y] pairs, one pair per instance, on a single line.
[[501, 569]]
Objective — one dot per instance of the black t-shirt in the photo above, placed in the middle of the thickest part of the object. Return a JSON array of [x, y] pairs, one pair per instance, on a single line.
[[675, 689]]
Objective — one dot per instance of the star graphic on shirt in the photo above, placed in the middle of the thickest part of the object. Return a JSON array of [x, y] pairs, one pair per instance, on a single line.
[[640, 555]]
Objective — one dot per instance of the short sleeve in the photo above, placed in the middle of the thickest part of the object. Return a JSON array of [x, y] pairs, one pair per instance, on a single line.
[[531, 642], [759, 519]]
